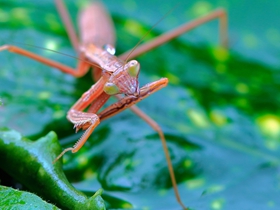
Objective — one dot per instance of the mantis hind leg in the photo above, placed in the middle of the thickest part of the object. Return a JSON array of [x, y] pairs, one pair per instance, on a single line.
[[219, 14]]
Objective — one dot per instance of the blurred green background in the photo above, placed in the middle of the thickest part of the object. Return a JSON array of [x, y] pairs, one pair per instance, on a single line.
[[220, 112]]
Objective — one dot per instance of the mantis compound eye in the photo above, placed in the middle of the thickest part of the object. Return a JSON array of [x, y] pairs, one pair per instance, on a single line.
[[133, 68], [111, 88]]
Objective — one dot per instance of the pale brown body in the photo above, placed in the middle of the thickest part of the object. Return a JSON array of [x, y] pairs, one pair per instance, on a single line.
[[96, 49]]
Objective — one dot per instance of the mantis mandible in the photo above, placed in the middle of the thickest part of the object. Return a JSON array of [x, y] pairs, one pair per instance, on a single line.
[[115, 75]]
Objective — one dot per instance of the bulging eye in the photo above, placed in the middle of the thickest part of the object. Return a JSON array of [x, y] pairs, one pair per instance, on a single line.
[[111, 88], [133, 68]]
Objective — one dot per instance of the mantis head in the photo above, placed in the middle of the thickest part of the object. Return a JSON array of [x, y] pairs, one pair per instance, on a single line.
[[124, 80]]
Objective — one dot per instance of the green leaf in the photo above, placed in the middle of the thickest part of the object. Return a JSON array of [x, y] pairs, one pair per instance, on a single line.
[[32, 165], [20, 200]]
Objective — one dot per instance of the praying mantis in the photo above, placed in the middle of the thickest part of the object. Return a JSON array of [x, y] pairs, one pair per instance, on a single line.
[[115, 75]]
